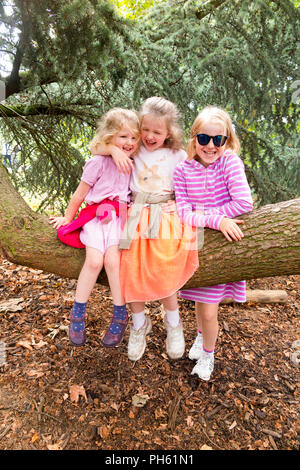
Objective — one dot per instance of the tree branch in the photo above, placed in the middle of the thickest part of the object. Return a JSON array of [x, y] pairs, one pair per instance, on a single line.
[[208, 7], [38, 109], [270, 246], [13, 85]]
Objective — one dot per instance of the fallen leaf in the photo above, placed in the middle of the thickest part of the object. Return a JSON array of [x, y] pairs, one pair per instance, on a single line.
[[54, 447], [12, 305], [76, 391], [140, 400], [233, 425], [40, 344], [34, 373], [249, 357], [189, 421], [206, 447], [104, 432], [115, 406], [35, 437], [25, 344]]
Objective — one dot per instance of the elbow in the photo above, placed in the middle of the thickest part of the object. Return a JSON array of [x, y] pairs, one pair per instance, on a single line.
[[246, 204], [249, 205]]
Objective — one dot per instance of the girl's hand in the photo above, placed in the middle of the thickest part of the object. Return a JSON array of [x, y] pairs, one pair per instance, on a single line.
[[169, 206], [58, 221], [230, 229], [122, 161]]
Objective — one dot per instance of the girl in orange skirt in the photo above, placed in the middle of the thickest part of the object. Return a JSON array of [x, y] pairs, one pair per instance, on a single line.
[[159, 253]]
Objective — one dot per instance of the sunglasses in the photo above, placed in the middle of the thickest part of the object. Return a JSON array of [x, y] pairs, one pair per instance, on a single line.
[[218, 140]]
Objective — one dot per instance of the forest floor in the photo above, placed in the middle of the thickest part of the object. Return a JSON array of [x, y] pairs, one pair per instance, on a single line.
[[54, 396]]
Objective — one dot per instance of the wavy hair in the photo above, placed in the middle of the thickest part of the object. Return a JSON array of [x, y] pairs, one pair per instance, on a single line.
[[161, 107], [111, 123], [215, 115]]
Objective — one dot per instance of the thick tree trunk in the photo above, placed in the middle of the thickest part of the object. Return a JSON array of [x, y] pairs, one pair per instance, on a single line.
[[270, 247]]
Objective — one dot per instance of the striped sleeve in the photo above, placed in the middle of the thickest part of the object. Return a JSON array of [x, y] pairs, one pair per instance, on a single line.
[[184, 207], [238, 188]]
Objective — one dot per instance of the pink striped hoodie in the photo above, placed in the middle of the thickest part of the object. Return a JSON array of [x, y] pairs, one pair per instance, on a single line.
[[219, 190]]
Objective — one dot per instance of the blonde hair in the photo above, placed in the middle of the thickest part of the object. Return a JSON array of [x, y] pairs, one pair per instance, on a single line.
[[213, 114], [168, 110], [111, 123]]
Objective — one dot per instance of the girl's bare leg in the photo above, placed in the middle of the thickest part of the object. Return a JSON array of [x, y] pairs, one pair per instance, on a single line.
[[170, 303], [86, 281], [119, 320], [89, 273], [112, 268], [207, 322]]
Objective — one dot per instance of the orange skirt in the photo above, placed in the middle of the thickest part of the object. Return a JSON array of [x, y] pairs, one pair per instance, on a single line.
[[153, 269]]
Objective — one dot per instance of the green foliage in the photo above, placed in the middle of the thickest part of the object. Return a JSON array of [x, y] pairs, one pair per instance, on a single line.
[[83, 57], [133, 9]]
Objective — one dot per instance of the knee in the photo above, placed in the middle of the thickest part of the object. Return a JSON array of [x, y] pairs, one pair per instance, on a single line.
[[112, 263], [209, 315], [94, 264]]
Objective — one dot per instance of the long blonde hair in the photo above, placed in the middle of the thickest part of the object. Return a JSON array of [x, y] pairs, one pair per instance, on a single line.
[[110, 124], [163, 108], [213, 114]]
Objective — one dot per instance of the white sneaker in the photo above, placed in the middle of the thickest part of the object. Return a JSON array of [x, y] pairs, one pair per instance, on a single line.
[[175, 344], [137, 340], [204, 366], [195, 351]]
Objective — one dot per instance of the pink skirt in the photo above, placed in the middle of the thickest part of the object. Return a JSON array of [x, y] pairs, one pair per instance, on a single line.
[[96, 234], [214, 294]]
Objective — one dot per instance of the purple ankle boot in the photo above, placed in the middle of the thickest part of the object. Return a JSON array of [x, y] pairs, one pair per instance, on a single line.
[[77, 335], [117, 327]]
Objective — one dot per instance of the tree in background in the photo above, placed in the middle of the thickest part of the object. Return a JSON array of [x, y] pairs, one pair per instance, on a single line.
[[73, 60]]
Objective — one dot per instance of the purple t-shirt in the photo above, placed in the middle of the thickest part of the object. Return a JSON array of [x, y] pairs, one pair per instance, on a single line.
[[105, 179]]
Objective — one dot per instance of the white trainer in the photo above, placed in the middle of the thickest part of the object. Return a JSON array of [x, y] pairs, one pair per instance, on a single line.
[[137, 340], [204, 366], [195, 351], [175, 343]]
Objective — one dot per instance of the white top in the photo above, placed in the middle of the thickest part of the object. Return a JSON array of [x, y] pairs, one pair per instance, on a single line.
[[153, 171]]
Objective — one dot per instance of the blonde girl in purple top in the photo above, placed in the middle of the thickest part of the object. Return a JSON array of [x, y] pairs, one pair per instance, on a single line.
[[101, 181], [211, 189]]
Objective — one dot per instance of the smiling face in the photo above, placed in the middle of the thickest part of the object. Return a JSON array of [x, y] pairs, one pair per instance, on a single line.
[[154, 131], [126, 140], [209, 153]]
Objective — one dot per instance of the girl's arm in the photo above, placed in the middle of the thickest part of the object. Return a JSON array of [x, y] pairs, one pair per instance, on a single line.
[[187, 215], [73, 206], [122, 161], [239, 191], [184, 206]]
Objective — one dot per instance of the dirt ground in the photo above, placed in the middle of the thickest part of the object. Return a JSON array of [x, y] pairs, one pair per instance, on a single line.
[[54, 396]]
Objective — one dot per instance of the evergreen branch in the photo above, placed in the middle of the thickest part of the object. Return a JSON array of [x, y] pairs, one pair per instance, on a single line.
[[34, 110], [208, 8], [178, 79], [39, 109]]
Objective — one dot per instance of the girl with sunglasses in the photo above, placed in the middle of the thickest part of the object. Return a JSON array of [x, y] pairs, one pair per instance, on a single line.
[[211, 189]]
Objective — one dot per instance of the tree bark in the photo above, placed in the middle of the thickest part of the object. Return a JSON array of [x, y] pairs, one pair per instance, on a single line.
[[263, 297], [270, 247]]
